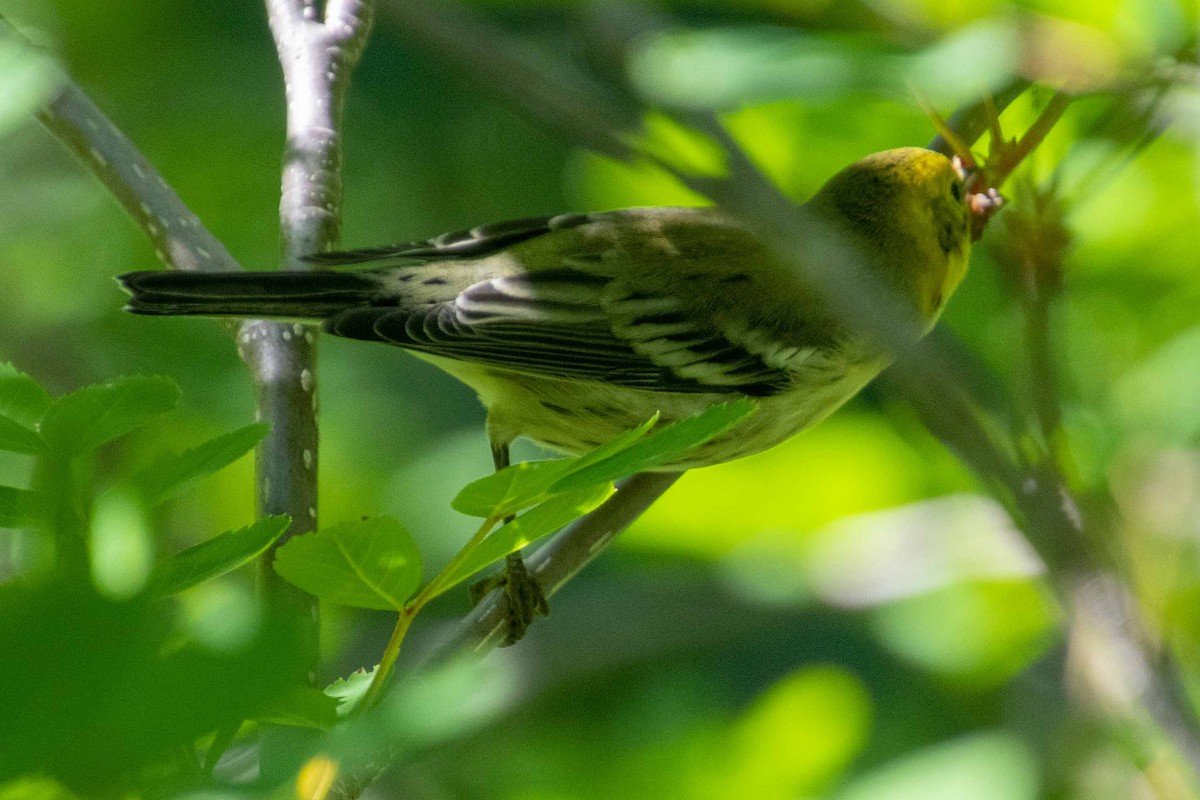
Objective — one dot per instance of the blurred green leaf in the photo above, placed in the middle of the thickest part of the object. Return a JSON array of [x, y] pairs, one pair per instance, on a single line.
[[21, 508], [21, 398], [34, 788], [987, 766], [216, 556], [370, 563], [16, 438], [27, 79], [348, 692], [661, 447], [173, 474], [87, 418], [522, 485], [301, 707], [535, 523]]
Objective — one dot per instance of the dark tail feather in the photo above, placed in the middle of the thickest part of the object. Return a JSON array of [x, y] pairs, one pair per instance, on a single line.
[[288, 295]]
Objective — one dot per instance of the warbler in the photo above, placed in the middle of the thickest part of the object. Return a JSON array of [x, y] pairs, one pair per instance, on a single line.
[[576, 327]]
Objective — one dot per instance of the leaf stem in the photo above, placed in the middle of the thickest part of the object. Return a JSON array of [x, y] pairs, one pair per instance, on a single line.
[[438, 584]]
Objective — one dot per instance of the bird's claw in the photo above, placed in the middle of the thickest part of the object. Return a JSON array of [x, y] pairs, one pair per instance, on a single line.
[[523, 600]]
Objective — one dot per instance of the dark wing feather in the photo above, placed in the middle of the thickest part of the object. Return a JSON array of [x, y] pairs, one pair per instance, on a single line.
[[563, 323], [474, 242]]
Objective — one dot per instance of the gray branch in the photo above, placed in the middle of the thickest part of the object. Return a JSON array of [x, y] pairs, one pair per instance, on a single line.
[[180, 240], [317, 57]]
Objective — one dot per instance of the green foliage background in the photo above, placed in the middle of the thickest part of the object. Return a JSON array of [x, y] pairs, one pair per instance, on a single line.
[[846, 616]]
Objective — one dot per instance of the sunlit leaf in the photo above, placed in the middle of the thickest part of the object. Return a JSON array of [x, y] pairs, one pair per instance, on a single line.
[[528, 483], [217, 556], [662, 446], [175, 473], [370, 563], [535, 523], [348, 692], [21, 398], [93, 415]]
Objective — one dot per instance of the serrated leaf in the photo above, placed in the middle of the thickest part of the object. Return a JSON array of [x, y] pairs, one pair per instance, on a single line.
[[539, 521], [172, 475], [21, 508], [350, 691], [663, 446], [371, 563], [21, 398], [520, 486], [16, 438], [301, 707], [217, 556], [85, 419]]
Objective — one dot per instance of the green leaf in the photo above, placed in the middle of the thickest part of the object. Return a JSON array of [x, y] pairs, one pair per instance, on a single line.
[[665, 445], [526, 484], [216, 556], [350, 691], [21, 508], [535, 523], [85, 419], [371, 563], [16, 438], [175, 473], [21, 398], [301, 707]]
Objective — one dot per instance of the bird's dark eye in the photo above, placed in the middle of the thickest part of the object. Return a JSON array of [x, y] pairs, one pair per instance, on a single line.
[[956, 190]]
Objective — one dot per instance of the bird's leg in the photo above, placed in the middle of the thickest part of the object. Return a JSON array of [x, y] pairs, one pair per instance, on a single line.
[[522, 593]]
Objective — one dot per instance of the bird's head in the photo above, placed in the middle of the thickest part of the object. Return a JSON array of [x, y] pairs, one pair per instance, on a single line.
[[910, 213]]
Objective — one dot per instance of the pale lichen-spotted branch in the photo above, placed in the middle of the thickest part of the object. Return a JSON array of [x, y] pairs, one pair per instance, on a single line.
[[180, 240], [317, 53]]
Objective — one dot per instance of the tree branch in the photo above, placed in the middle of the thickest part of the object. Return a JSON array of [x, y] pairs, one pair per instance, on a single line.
[[180, 240], [317, 59]]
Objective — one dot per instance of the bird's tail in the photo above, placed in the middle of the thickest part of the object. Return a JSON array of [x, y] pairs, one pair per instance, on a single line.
[[255, 295]]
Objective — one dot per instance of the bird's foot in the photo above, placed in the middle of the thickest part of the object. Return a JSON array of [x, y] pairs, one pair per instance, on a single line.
[[523, 599]]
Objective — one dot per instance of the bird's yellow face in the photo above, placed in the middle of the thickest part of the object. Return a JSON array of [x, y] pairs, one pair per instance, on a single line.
[[909, 205]]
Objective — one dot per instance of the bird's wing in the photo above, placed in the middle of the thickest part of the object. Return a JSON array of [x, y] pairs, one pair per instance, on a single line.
[[570, 324], [474, 242]]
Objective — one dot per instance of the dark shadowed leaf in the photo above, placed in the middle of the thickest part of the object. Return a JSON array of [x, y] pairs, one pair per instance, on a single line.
[[20, 508], [172, 475], [17, 438], [216, 556]]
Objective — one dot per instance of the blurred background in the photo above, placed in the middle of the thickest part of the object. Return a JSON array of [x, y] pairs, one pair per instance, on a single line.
[[848, 616]]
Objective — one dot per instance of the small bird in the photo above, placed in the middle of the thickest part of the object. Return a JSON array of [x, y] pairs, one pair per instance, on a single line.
[[576, 327]]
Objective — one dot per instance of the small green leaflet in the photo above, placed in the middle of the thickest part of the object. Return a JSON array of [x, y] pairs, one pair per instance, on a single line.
[[21, 508], [528, 483], [663, 446], [350, 691], [21, 398], [371, 563], [539, 521], [172, 475], [301, 707], [87, 418], [637, 450], [216, 556]]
